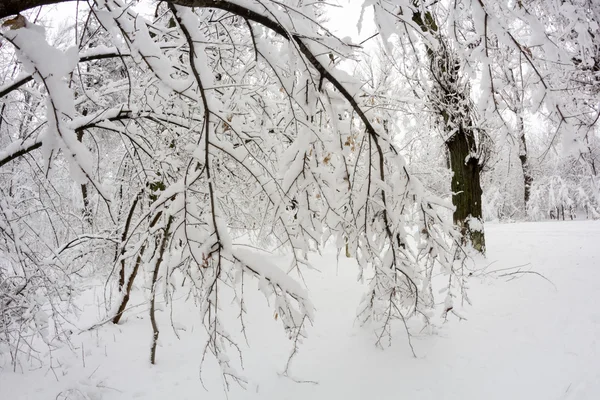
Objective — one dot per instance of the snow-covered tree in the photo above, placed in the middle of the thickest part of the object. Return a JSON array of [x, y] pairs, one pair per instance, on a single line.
[[525, 61], [160, 138]]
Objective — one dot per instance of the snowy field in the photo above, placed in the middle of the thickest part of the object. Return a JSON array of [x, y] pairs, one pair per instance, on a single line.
[[524, 338]]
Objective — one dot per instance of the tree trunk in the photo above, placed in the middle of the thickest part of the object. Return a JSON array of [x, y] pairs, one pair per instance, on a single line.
[[87, 212], [466, 189], [126, 289], [527, 177], [450, 101], [155, 331]]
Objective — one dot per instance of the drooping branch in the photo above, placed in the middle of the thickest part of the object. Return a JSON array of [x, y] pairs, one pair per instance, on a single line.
[[21, 152], [13, 7], [304, 49], [7, 155], [155, 331], [6, 89]]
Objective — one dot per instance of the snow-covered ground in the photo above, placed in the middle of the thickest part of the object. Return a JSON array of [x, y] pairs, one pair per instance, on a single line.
[[524, 338]]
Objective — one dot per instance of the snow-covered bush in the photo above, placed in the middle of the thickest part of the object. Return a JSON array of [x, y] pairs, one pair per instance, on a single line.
[[159, 139]]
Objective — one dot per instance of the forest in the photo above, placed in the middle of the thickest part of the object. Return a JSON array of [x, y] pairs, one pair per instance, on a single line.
[[202, 172]]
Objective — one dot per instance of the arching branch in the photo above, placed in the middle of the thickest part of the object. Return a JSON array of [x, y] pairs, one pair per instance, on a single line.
[[6, 89]]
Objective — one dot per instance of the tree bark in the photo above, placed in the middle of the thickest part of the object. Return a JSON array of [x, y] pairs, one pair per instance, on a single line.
[[466, 188]]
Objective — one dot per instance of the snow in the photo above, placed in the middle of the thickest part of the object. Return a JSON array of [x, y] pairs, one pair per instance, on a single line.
[[524, 337], [475, 224], [49, 66]]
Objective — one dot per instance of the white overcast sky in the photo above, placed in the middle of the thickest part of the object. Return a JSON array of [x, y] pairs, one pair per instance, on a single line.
[[343, 20], [343, 17]]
